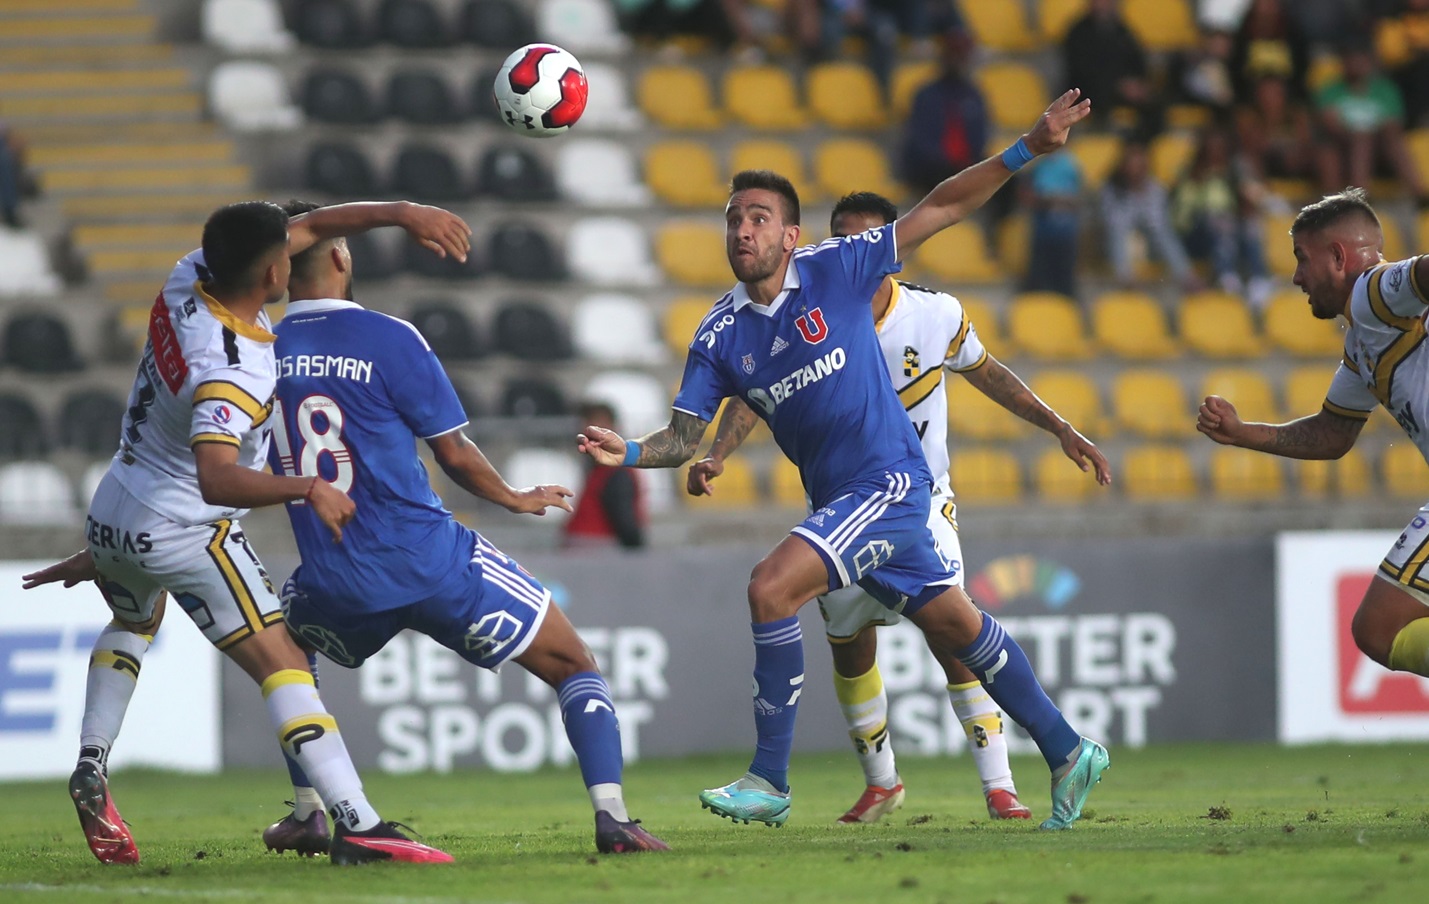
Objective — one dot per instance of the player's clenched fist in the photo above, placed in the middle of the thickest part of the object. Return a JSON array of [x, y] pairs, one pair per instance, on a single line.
[[605, 446], [698, 481], [1218, 420], [332, 506]]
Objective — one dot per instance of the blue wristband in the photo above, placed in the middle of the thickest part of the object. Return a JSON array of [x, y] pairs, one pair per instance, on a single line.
[[1017, 156], [632, 454]]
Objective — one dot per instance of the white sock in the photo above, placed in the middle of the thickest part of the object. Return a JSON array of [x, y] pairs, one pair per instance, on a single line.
[[610, 797], [310, 736], [113, 674], [865, 707], [306, 802], [982, 721]]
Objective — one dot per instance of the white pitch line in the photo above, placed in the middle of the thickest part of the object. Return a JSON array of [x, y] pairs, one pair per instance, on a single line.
[[220, 894]]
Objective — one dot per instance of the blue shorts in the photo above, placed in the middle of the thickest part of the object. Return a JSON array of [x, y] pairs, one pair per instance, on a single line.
[[877, 536], [491, 615]]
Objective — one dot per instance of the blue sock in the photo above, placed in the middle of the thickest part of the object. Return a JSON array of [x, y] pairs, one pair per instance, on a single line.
[[295, 772], [1002, 667], [591, 725], [778, 682]]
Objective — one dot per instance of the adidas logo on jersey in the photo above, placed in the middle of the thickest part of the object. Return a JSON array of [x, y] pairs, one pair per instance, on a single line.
[[778, 346]]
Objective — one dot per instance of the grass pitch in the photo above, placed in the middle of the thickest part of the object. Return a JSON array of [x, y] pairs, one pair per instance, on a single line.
[[1221, 823]]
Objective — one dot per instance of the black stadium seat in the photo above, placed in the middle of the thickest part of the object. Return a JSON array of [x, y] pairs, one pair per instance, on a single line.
[[532, 397], [22, 433], [482, 103], [427, 173], [512, 173], [522, 251], [39, 343], [528, 330], [424, 262], [447, 330], [498, 24], [90, 420], [422, 97], [415, 24], [471, 403], [333, 95], [370, 259], [339, 168], [334, 24]]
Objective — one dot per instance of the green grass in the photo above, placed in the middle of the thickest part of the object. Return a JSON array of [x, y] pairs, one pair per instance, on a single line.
[[1323, 824]]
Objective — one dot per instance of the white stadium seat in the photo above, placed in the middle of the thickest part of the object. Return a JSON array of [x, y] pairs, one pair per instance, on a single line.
[[616, 329], [581, 25], [251, 96], [640, 401], [37, 493], [246, 26], [610, 251], [529, 467], [89, 482], [24, 265], [599, 173], [609, 106]]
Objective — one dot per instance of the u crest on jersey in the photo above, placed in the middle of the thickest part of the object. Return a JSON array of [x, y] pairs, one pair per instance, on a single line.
[[812, 327]]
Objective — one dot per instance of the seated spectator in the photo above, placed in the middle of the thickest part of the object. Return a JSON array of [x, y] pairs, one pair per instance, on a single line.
[[1269, 44], [1104, 58], [1362, 116], [1274, 132], [1216, 208], [1054, 194], [755, 24], [609, 510], [1202, 75], [1134, 204], [1402, 42], [948, 124], [883, 25]]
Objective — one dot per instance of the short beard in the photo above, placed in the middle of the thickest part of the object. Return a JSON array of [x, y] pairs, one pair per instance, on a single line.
[[759, 269]]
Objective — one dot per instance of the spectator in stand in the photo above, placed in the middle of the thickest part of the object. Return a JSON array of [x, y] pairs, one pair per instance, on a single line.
[[1362, 116], [11, 176], [1216, 209], [1202, 75], [1275, 132], [755, 25], [609, 508], [882, 24], [661, 20], [1269, 44], [1133, 206], [1402, 42], [1103, 57], [948, 124], [1054, 195]]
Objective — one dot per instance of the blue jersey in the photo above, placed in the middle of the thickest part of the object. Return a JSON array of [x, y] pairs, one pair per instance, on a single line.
[[355, 390], [810, 365]]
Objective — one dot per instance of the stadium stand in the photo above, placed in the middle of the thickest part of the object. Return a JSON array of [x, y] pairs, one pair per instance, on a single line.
[[528, 467], [22, 432], [338, 96], [1075, 396], [1158, 473], [1249, 389], [532, 397], [1219, 325], [89, 422], [1246, 476], [640, 401], [340, 169], [1289, 328], [422, 262], [846, 96], [987, 476], [843, 165], [508, 172], [530, 331], [246, 26], [972, 415], [522, 251], [763, 97], [678, 97], [39, 343], [422, 97], [1048, 326], [693, 253], [956, 255], [251, 96], [785, 484], [427, 173], [581, 26], [1346, 478], [610, 251], [1001, 27], [737, 487], [598, 172], [330, 24], [1152, 403], [498, 25], [1132, 325], [616, 329], [36, 493], [414, 24], [685, 174], [449, 332], [1058, 480]]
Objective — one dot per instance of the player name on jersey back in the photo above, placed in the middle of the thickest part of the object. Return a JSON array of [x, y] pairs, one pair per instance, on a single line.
[[339, 366]]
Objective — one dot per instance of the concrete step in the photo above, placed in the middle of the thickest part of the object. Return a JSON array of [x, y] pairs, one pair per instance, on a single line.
[[98, 107], [41, 135], [87, 56], [16, 8], [159, 178], [99, 29], [137, 236], [48, 83], [148, 207], [153, 263], [56, 156]]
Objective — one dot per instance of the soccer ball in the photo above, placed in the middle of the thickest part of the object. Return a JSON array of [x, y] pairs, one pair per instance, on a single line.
[[540, 90]]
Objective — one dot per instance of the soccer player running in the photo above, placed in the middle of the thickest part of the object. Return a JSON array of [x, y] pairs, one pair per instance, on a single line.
[[794, 340], [1339, 249], [913, 324], [165, 515], [356, 389]]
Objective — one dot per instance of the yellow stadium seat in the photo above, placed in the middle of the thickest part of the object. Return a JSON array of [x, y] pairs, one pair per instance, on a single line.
[[907, 79], [1047, 325], [1158, 473], [1058, 480], [1169, 154], [1133, 325], [1054, 17], [999, 26], [1152, 403], [1244, 475], [737, 487], [958, 254], [1403, 470], [764, 97], [846, 96], [1294, 191], [1219, 325], [1395, 248], [1187, 116], [779, 156], [1324, 68], [1097, 155], [1290, 327], [972, 415], [1305, 389], [1418, 142], [678, 97], [1075, 397], [1014, 244], [1248, 390], [844, 165], [986, 476], [685, 174], [1346, 478], [785, 484], [693, 254], [1421, 225], [1015, 93], [1279, 252], [682, 318], [985, 320], [1161, 24]]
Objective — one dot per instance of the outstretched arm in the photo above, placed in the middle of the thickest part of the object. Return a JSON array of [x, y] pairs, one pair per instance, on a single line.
[[994, 380], [77, 569], [668, 447], [441, 231], [464, 462], [956, 197], [1321, 436], [734, 425]]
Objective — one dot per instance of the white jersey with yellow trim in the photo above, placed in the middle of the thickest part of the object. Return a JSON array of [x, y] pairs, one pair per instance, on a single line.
[[206, 377], [923, 334], [1385, 361]]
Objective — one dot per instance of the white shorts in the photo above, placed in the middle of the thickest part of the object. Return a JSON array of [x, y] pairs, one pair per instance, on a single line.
[[209, 569], [848, 611], [1405, 563]]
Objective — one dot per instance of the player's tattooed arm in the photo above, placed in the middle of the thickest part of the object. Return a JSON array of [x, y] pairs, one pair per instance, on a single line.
[[1321, 436], [734, 426], [669, 447]]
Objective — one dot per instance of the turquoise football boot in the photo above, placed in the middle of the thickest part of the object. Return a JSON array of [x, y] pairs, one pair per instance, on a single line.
[[1071, 787], [742, 803]]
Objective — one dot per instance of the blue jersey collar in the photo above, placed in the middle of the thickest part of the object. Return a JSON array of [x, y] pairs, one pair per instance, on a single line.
[[791, 281], [318, 305]]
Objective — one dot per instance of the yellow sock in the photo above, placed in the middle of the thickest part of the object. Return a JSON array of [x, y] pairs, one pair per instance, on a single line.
[[865, 708], [1410, 652]]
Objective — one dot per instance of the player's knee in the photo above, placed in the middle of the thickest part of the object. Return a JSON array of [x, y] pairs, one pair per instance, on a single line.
[[769, 598]]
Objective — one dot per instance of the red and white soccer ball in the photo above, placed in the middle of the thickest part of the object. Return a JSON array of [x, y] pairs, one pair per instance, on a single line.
[[541, 90]]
